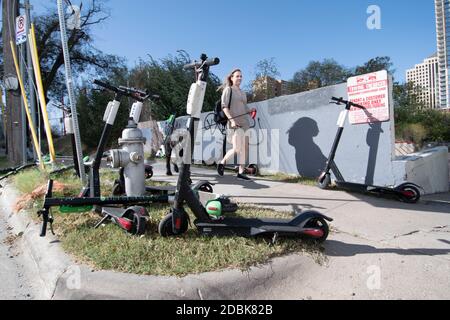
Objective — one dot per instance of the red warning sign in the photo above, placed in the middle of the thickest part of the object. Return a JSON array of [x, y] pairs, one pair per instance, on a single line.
[[372, 92]]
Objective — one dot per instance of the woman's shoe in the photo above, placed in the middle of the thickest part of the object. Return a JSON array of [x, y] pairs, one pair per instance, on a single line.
[[221, 170], [243, 177]]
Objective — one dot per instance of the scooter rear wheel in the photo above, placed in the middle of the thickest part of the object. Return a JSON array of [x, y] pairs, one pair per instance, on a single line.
[[252, 170], [322, 225], [134, 221], [148, 172], [408, 193], [207, 188]]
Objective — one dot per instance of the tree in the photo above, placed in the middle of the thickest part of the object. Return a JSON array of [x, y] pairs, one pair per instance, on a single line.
[[85, 58], [91, 105], [267, 68], [319, 74], [374, 65]]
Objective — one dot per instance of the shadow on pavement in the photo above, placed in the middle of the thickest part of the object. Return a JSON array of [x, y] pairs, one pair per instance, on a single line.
[[423, 206], [340, 249]]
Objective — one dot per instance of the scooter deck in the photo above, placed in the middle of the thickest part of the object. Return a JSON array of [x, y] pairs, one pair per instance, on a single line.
[[254, 227], [167, 189], [357, 187]]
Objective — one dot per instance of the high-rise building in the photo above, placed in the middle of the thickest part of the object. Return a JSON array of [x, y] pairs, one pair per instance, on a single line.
[[425, 77], [443, 52]]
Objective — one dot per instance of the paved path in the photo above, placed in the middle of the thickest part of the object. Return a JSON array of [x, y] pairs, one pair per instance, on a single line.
[[13, 274], [379, 249]]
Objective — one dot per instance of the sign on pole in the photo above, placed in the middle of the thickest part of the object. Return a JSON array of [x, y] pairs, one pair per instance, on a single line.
[[371, 91], [21, 29]]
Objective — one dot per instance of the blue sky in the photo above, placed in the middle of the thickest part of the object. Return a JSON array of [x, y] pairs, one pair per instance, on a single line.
[[294, 32]]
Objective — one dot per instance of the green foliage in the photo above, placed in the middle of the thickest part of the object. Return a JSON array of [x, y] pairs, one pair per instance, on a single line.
[[319, 74], [415, 122], [374, 65], [166, 78], [414, 132]]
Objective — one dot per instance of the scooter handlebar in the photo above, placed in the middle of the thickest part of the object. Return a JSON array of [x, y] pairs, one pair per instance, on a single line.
[[137, 94], [198, 64], [106, 86], [341, 100]]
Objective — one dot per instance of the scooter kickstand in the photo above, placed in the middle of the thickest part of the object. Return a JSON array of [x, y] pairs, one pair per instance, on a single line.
[[274, 239], [104, 219]]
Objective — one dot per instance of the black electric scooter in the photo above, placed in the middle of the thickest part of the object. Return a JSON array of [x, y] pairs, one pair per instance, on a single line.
[[407, 192], [311, 225]]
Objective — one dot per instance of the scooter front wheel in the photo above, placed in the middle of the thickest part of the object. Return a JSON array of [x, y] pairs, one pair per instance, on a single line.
[[165, 228], [324, 181]]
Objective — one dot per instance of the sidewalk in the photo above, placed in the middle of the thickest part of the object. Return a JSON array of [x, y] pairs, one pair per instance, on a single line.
[[379, 249]]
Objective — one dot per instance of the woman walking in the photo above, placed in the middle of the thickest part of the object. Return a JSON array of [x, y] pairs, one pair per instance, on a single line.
[[234, 105]]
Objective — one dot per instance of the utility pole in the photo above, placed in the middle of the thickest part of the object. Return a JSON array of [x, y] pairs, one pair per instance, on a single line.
[[31, 84], [22, 107], [13, 98]]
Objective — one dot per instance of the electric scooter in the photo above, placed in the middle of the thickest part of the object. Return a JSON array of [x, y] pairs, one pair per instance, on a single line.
[[311, 224], [406, 192]]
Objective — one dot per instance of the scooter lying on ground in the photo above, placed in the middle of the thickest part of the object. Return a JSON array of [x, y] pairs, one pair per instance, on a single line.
[[310, 225], [406, 192]]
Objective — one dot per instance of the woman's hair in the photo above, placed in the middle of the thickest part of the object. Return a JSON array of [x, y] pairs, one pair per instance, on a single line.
[[227, 82]]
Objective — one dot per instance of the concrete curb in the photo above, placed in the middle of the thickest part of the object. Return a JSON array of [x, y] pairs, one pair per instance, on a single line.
[[62, 279]]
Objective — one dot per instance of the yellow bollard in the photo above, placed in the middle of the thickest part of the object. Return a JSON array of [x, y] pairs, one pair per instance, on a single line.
[[27, 110], [40, 87]]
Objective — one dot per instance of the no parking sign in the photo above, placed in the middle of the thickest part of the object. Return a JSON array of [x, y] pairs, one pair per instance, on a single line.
[[373, 92], [21, 29]]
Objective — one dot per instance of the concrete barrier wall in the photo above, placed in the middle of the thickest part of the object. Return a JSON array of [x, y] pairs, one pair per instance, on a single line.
[[428, 169], [304, 127], [296, 134]]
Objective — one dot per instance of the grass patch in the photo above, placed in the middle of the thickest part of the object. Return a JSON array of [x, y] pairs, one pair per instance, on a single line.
[[109, 248], [281, 177]]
